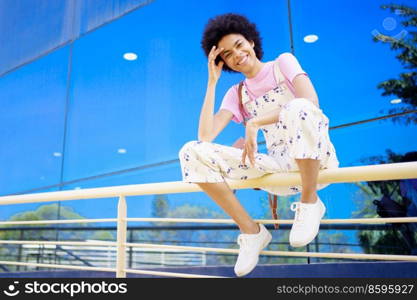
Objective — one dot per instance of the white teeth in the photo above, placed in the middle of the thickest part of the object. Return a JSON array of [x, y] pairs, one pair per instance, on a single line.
[[243, 60]]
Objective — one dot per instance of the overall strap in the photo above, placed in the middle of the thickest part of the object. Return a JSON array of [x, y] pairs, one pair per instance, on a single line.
[[279, 78], [241, 108]]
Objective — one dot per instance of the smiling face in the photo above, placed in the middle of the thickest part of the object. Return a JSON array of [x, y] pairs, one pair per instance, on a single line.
[[238, 53]]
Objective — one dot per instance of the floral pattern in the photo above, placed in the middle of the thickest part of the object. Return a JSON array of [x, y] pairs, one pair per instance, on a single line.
[[301, 132]]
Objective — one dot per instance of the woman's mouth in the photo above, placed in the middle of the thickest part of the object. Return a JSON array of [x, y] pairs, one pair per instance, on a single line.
[[243, 60]]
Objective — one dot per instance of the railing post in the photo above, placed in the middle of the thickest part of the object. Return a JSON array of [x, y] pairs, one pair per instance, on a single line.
[[121, 237], [130, 249], [19, 255]]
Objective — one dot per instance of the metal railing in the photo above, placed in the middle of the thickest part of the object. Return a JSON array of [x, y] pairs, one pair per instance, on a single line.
[[105, 256], [394, 171]]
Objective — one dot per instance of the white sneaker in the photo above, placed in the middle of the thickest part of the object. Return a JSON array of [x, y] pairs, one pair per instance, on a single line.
[[250, 247], [306, 222]]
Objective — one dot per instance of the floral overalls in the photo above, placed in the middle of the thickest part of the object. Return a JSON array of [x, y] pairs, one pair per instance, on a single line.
[[301, 132]]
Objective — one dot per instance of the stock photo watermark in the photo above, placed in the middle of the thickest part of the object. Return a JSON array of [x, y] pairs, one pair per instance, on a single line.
[[390, 24], [72, 289]]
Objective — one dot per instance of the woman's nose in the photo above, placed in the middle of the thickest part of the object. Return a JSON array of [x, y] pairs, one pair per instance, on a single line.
[[238, 55]]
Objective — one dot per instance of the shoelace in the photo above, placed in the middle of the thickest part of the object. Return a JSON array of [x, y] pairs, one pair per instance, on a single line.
[[242, 241], [299, 211]]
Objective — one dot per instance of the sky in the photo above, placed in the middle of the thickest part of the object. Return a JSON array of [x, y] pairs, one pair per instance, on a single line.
[[123, 114]]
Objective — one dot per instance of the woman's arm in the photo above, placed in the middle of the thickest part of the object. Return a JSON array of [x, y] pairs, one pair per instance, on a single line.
[[205, 125], [303, 89], [208, 126]]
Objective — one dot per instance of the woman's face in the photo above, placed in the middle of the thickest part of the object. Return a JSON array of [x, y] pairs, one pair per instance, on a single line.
[[238, 52]]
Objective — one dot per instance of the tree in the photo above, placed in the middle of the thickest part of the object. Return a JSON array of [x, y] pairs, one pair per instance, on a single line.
[[160, 206], [44, 212], [405, 87]]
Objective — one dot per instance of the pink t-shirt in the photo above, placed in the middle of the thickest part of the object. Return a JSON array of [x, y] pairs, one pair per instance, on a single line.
[[263, 82]]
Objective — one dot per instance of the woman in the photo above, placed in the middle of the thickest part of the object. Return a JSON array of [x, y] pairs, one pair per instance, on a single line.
[[276, 97]]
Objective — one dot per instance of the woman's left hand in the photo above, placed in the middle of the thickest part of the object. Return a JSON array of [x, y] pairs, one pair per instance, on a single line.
[[251, 143]]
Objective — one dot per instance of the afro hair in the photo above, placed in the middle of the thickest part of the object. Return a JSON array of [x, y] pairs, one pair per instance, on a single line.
[[225, 24]]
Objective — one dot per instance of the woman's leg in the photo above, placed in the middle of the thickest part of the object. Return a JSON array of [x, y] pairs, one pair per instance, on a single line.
[[306, 133], [221, 193], [205, 164], [309, 171], [309, 212]]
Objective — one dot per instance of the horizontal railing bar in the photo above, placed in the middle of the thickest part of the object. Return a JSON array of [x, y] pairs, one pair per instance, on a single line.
[[202, 227], [216, 221], [394, 171], [56, 221], [102, 243], [287, 253], [15, 263], [171, 274], [324, 221], [112, 253]]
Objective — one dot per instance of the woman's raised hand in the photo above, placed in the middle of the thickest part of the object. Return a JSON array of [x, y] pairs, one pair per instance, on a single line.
[[213, 69]]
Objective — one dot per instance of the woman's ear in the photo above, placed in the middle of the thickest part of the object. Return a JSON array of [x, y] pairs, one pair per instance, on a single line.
[[252, 44]]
